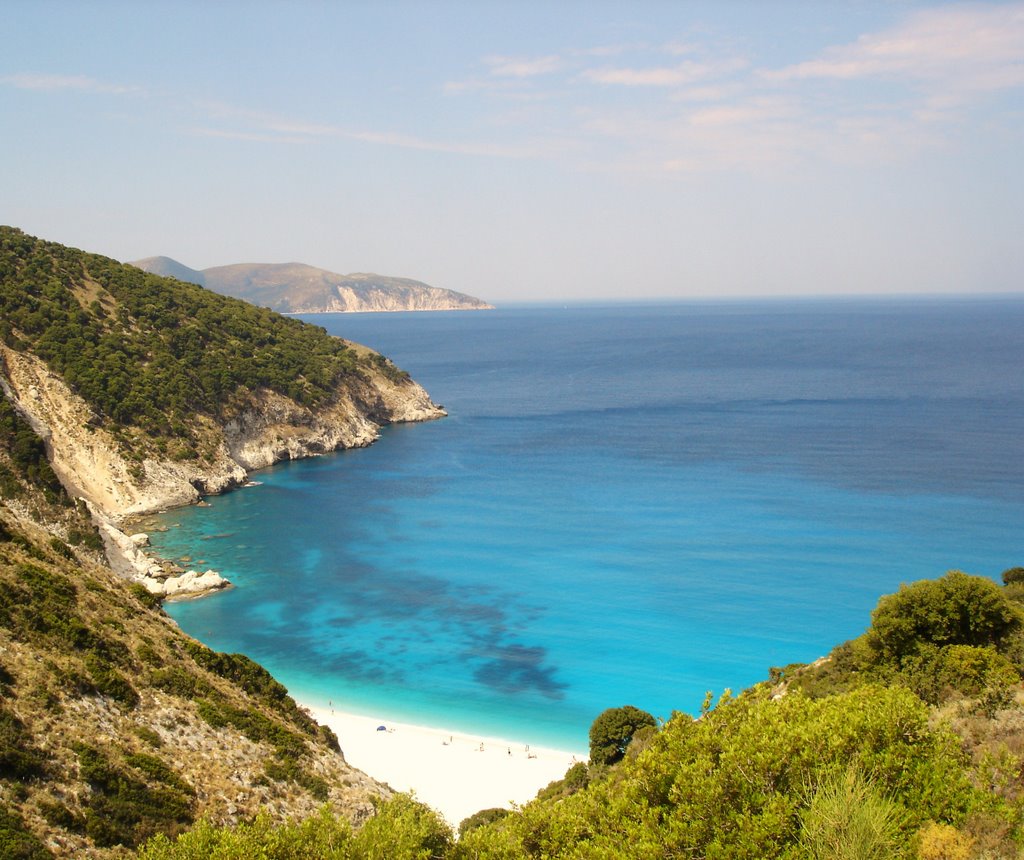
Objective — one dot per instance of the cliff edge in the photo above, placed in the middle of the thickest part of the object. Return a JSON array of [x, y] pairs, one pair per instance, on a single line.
[[150, 393]]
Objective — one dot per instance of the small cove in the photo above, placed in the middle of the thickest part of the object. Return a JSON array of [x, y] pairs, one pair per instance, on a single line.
[[627, 504]]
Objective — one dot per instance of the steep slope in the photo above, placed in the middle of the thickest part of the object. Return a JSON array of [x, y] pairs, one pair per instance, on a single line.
[[150, 392], [114, 725], [298, 288]]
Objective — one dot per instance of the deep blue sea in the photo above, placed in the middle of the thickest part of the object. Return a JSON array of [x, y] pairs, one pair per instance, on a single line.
[[628, 504]]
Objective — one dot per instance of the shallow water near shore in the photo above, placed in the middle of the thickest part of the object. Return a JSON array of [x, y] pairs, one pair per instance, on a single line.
[[628, 504]]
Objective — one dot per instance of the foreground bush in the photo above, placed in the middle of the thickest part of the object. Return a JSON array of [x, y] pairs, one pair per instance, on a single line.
[[757, 778], [402, 829]]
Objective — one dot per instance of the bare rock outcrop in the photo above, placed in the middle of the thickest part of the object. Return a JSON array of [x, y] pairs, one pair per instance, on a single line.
[[95, 466], [92, 463]]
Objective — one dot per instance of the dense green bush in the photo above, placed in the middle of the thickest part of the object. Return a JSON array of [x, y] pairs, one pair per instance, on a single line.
[[125, 809], [612, 731], [739, 782], [16, 841], [956, 609], [479, 819], [952, 636], [401, 829]]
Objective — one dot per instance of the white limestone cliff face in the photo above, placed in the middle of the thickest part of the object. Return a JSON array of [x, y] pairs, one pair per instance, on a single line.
[[274, 428], [343, 298], [93, 466]]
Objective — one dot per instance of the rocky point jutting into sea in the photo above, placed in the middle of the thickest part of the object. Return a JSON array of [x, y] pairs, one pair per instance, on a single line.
[[122, 470]]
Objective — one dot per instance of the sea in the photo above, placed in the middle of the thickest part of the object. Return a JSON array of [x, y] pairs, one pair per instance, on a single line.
[[627, 504]]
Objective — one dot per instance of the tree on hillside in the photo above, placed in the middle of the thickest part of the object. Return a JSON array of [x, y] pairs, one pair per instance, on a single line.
[[1012, 575], [956, 609], [612, 731]]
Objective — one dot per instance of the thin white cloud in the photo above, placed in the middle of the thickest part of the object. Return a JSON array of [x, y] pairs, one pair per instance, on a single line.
[[749, 113], [259, 126], [968, 47], [524, 67], [80, 83], [684, 73], [927, 71], [251, 136], [656, 77]]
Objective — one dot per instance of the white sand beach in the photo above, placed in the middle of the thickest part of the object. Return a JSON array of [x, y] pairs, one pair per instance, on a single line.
[[456, 774]]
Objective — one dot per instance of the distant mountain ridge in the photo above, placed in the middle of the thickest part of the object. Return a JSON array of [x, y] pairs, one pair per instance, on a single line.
[[299, 288]]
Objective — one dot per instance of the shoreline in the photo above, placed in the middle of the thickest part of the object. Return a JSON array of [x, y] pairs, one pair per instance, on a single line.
[[453, 772]]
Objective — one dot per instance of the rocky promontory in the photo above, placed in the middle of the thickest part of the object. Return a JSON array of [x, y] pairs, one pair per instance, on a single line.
[[218, 388]]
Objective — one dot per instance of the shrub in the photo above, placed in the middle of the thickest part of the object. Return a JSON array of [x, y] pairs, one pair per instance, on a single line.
[[943, 842], [124, 810], [612, 731], [178, 682], [324, 836], [734, 784], [1013, 575], [16, 841], [19, 758], [57, 814], [405, 828], [144, 595], [145, 733], [955, 610], [847, 818], [109, 682], [479, 819]]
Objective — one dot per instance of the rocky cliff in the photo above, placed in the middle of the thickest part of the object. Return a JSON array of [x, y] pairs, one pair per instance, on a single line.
[[123, 393], [266, 428], [217, 387]]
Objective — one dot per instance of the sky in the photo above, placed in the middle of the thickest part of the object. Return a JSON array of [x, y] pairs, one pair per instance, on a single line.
[[530, 151]]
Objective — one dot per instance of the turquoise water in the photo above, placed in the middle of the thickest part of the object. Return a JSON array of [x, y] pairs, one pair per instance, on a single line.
[[627, 504]]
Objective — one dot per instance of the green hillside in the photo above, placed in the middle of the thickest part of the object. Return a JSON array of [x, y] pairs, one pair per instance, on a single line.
[[120, 736], [142, 353], [114, 725]]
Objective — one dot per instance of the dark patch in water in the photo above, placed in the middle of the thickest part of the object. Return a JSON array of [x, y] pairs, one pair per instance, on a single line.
[[518, 669]]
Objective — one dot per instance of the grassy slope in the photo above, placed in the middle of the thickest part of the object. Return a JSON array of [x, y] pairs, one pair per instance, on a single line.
[[114, 725]]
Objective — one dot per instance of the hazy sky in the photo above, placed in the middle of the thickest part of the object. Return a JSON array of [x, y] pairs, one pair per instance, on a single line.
[[524, 151]]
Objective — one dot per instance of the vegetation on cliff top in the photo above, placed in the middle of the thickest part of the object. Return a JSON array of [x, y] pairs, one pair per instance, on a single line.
[[152, 352]]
